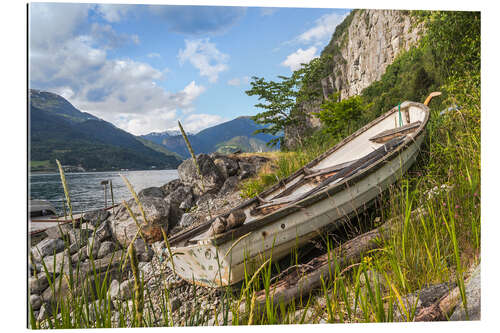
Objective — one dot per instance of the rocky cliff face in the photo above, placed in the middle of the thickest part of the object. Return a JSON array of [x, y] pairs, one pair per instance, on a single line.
[[370, 43], [362, 47]]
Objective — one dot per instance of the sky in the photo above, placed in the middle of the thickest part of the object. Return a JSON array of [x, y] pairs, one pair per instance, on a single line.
[[144, 67]]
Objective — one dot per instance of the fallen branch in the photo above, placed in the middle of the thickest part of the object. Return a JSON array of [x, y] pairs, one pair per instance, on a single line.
[[302, 282]]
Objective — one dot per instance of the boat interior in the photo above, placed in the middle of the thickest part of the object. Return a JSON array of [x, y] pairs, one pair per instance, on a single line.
[[353, 154]]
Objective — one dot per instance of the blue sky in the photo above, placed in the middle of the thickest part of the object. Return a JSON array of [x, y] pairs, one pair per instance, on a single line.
[[143, 67]]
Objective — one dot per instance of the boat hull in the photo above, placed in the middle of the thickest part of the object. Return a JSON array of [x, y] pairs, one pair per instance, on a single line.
[[212, 265]]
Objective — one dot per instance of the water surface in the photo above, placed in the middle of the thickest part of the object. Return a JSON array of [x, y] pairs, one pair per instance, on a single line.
[[86, 191]]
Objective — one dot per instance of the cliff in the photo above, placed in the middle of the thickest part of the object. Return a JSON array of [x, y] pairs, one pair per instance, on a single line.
[[360, 50]]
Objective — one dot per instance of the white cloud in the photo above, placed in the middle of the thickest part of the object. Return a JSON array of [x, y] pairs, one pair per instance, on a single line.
[[122, 91], [299, 57], [113, 13], [323, 29], [239, 81], [205, 57], [197, 122]]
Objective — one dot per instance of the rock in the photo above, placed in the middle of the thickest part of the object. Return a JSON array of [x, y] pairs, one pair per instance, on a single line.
[[114, 289], [96, 217], [36, 267], [218, 226], [47, 247], [61, 264], [103, 232], [171, 186], [35, 301], [143, 251], [230, 185], [124, 228], [79, 236], [247, 170], [38, 284], [236, 218], [183, 194], [93, 246], [175, 303], [186, 220], [58, 231], [155, 192], [227, 166], [109, 267], [73, 248], [87, 226], [80, 255], [126, 289], [211, 175], [106, 248], [187, 203], [422, 298], [45, 312], [473, 298]]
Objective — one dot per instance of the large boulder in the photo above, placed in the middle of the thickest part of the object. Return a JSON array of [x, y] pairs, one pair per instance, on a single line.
[[183, 195], [47, 247], [227, 166], [124, 227], [171, 186], [230, 185], [473, 297], [155, 192], [58, 231], [61, 264], [211, 175], [38, 284], [96, 217], [247, 170]]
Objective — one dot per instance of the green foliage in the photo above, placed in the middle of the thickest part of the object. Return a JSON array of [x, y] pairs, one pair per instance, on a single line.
[[282, 97], [341, 118]]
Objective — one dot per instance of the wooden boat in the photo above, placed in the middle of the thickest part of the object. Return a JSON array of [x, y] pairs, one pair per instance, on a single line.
[[335, 185]]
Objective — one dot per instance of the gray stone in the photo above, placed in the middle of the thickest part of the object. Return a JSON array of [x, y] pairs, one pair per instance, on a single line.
[[124, 227], [80, 255], [58, 231], [143, 251], [230, 185], [155, 192], [35, 301], [45, 312], [236, 218], [47, 247], [106, 248], [38, 284], [114, 289], [96, 217], [183, 194], [171, 186], [61, 264], [93, 246], [228, 166], [103, 232], [473, 298], [247, 170], [186, 220], [126, 289], [175, 303], [210, 175]]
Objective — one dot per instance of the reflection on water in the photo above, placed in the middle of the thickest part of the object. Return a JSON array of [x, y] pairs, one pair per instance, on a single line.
[[86, 191]]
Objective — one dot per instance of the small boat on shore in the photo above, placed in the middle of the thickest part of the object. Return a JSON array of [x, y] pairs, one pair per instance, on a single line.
[[323, 194]]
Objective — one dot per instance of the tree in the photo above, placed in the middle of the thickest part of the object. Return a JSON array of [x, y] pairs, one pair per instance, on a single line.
[[282, 98]]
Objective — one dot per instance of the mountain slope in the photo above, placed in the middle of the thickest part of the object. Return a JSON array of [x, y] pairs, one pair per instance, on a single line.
[[210, 139], [60, 131]]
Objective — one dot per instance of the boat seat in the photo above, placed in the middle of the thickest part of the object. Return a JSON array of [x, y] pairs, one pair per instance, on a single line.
[[390, 134]]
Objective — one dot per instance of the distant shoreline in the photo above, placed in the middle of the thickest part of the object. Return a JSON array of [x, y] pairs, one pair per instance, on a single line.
[[55, 172]]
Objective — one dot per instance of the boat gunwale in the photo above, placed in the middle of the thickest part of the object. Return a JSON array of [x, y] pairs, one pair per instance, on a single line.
[[326, 192]]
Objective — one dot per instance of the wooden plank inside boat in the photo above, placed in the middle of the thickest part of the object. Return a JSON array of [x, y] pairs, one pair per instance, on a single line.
[[395, 132]]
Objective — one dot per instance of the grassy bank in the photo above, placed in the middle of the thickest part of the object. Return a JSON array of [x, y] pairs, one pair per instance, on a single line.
[[441, 244]]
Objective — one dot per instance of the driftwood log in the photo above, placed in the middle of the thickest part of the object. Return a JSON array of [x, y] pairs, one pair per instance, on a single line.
[[302, 282]]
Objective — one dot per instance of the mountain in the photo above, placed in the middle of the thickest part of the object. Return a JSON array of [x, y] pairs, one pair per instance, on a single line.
[[213, 138], [60, 131]]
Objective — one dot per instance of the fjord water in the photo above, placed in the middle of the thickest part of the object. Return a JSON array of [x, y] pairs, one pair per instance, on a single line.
[[86, 191]]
